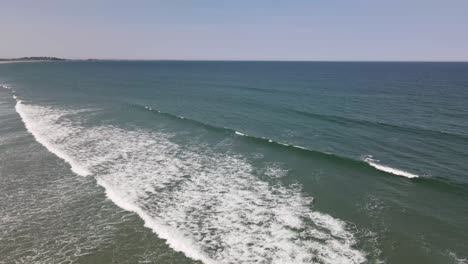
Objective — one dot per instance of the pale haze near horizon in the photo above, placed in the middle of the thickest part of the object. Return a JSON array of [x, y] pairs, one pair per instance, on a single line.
[[236, 30]]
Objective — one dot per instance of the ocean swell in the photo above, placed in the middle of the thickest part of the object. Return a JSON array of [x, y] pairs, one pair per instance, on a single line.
[[368, 161]]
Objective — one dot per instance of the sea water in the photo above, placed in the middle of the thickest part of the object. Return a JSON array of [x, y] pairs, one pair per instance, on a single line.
[[233, 162]]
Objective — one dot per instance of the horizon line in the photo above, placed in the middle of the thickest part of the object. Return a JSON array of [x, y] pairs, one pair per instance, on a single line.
[[230, 60]]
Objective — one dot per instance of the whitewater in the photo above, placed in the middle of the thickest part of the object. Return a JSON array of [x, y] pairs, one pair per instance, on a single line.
[[211, 206]]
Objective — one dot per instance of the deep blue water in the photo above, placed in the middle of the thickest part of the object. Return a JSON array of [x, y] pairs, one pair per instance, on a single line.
[[270, 162]]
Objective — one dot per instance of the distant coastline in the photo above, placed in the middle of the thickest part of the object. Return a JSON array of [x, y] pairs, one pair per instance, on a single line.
[[30, 59], [42, 59]]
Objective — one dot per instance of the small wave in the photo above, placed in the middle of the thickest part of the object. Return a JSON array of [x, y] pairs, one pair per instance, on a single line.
[[355, 121], [13, 92], [5, 86], [368, 161], [240, 134], [374, 163], [229, 130]]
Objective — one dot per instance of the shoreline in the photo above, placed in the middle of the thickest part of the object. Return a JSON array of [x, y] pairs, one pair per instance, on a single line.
[[18, 61], [29, 59]]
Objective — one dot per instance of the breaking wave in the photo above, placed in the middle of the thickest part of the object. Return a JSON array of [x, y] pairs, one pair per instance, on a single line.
[[208, 205], [368, 161], [374, 163]]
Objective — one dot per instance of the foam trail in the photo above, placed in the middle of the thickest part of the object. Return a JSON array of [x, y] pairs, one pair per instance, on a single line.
[[40, 134], [387, 169], [181, 244], [208, 205], [5, 86]]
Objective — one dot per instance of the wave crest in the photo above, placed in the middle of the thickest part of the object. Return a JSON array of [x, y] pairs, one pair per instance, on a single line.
[[374, 163]]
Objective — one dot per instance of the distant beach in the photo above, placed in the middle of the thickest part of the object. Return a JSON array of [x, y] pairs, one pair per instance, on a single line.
[[30, 59]]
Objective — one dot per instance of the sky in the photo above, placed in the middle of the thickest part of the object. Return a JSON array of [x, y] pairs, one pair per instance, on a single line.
[[315, 30]]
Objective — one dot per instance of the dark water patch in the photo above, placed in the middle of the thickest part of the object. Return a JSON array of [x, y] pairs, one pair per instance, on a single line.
[[353, 121]]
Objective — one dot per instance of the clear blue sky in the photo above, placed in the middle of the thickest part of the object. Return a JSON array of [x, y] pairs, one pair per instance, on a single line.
[[425, 30]]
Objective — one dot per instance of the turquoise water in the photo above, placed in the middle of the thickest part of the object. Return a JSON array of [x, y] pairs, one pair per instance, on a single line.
[[233, 162]]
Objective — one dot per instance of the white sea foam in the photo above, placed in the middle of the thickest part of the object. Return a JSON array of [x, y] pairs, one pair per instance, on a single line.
[[457, 259], [41, 132], [374, 163], [208, 205], [239, 133], [5, 86], [299, 147], [275, 171]]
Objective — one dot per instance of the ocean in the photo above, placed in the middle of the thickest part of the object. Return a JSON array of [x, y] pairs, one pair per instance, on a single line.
[[233, 162]]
